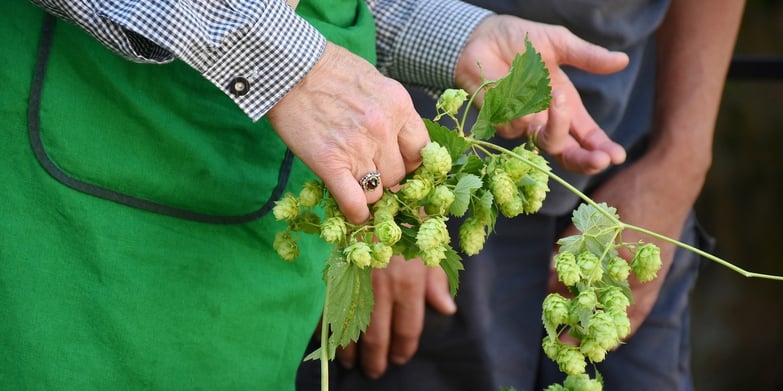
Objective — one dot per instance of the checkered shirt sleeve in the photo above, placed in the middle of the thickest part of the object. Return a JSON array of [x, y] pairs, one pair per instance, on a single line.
[[255, 51], [419, 41], [258, 50]]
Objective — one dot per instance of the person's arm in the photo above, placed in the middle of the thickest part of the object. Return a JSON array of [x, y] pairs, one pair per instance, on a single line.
[[255, 53], [333, 109], [658, 191]]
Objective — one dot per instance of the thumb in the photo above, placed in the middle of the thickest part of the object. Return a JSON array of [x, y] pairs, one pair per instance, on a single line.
[[438, 295]]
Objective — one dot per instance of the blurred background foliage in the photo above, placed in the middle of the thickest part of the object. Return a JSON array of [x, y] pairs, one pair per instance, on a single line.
[[737, 321]]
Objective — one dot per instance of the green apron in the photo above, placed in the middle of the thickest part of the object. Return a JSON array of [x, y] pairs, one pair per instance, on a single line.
[[135, 239]]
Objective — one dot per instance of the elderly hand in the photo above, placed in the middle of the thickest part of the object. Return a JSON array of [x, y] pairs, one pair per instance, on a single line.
[[344, 120]]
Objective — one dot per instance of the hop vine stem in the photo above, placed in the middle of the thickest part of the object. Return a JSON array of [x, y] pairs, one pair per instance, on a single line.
[[491, 146]]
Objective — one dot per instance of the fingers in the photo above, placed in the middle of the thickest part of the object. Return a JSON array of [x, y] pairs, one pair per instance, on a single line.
[[438, 294], [587, 56], [412, 138], [397, 319]]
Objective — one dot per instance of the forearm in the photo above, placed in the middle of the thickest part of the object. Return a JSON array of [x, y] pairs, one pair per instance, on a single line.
[[695, 45]]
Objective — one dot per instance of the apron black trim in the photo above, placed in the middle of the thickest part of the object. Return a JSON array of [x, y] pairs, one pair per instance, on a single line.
[[34, 128]]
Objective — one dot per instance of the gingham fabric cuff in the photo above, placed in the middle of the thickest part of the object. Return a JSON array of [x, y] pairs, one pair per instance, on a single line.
[[267, 62], [255, 54], [426, 50]]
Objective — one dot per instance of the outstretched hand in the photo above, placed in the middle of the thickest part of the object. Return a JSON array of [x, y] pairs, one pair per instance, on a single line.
[[344, 120], [566, 130]]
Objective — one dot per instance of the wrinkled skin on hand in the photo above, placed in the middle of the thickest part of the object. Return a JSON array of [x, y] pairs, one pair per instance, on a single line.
[[345, 119]]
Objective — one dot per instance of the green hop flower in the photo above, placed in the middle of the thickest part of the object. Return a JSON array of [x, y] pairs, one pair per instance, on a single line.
[[622, 323], [613, 298], [416, 189], [592, 350], [359, 253], [540, 176], [582, 382], [330, 208], [286, 208], [646, 262], [618, 268], [533, 193], [570, 360], [590, 266], [513, 208], [432, 234], [432, 256], [286, 246], [601, 329], [451, 100], [381, 254], [387, 204], [311, 194], [555, 310], [388, 232], [585, 301], [333, 229], [439, 201], [472, 235], [503, 188], [516, 168], [551, 346], [556, 387], [568, 271], [436, 159]]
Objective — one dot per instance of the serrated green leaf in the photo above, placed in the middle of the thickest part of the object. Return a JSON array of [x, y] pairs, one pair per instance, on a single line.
[[471, 164], [462, 193], [588, 219], [349, 301], [524, 90], [452, 265], [447, 138], [573, 244]]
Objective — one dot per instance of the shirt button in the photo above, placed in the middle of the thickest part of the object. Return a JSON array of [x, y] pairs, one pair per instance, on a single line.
[[239, 86]]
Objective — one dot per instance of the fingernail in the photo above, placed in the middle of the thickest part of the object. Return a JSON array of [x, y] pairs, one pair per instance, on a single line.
[[398, 360], [347, 364], [560, 100]]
